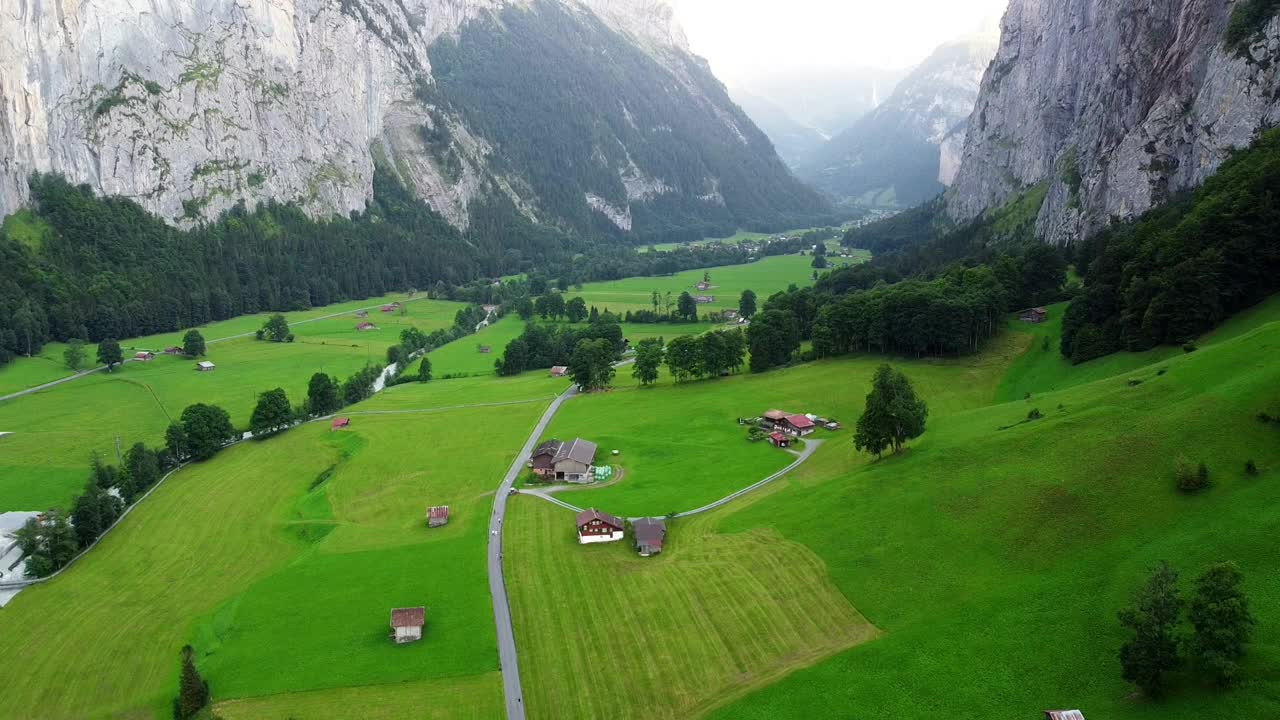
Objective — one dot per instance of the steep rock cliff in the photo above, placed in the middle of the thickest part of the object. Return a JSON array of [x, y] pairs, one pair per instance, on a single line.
[[190, 107], [1113, 105]]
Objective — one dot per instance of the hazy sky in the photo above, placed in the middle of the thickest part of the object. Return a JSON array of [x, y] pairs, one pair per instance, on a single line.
[[742, 38]]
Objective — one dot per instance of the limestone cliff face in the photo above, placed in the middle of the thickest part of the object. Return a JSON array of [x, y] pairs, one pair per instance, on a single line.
[[189, 106], [1114, 104]]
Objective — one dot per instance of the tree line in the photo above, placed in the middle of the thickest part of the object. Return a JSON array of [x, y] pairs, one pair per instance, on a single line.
[[1184, 267], [545, 346]]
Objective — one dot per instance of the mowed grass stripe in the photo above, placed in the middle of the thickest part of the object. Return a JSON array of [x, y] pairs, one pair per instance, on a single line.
[[473, 698], [664, 636]]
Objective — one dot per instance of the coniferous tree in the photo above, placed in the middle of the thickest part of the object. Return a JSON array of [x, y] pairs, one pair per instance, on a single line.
[[424, 370], [893, 414], [1221, 623], [1152, 653], [193, 690]]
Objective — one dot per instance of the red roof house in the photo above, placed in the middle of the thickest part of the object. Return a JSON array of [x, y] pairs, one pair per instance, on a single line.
[[406, 624], [339, 422], [144, 355], [365, 326], [559, 371], [777, 439], [391, 308], [797, 425], [595, 526]]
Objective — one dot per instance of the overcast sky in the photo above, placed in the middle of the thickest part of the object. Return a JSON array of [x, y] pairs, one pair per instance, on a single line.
[[742, 38]]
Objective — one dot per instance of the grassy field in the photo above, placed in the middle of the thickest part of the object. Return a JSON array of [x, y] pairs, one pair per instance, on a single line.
[[629, 637], [1017, 547], [282, 584], [733, 239]]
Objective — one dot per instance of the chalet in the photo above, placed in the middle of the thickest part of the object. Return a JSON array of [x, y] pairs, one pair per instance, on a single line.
[[704, 299], [205, 366], [703, 285], [1063, 715], [648, 534], [595, 527], [406, 624], [797, 425], [391, 308], [437, 515], [144, 355], [1033, 315], [778, 439], [173, 350], [365, 327], [567, 461], [339, 423], [559, 371], [773, 418], [362, 313]]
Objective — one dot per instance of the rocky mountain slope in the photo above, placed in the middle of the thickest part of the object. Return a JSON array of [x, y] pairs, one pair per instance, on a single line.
[[793, 141], [190, 107], [1116, 105], [902, 153]]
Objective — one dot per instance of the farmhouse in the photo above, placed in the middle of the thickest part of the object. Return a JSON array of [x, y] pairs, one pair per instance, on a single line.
[[406, 624], [205, 366], [1063, 715], [559, 371], [1033, 315], [144, 355], [778, 439], [797, 425], [595, 527], [339, 423], [648, 534], [173, 350], [365, 327], [704, 299], [774, 416], [391, 308], [567, 461], [437, 515]]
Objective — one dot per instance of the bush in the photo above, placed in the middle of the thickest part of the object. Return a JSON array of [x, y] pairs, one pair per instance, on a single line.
[[1250, 468], [1134, 382], [1189, 347], [1189, 480], [1034, 414]]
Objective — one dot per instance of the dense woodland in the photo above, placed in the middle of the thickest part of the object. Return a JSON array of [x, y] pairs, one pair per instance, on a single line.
[[80, 266], [1184, 267]]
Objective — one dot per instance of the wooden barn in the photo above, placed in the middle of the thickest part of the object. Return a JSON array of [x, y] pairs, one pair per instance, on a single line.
[[173, 350], [596, 527], [205, 366], [648, 534], [1034, 315], [339, 423], [406, 624], [559, 371], [778, 439], [704, 299], [1063, 715], [437, 515], [365, 327], [484, 349], [144, 355]]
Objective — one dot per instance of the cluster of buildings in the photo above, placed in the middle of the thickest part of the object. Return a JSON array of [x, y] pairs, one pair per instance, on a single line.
[[648, 534], [783, 426]]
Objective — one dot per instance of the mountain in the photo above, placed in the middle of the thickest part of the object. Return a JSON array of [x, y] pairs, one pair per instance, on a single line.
[[792, 140], [826, 99], [589, 116], [1111, 109], [893, 155]]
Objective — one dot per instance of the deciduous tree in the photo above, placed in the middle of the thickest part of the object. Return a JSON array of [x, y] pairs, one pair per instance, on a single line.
[[1152, 653], [687, 307], [193, 344], [322, 395], [591, 366], [893, 413], [773, 337], [1221, 623], [276, 329], [73, 356], [649, 354], [206, 429], [747, 304], [576, 309], [109, 354], [272, 413]]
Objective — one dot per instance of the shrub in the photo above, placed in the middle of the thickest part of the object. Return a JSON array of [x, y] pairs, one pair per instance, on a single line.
[[1034, 414], [1189, 347], [1191, 480], [1134, 382], [1250, 468]]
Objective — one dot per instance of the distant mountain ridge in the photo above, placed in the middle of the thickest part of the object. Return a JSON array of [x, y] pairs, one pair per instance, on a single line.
[[793, 140], [902, 153], [193, 107]]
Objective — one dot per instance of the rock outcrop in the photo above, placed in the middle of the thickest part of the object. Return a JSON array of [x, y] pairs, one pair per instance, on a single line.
[[1114, 105], [191, 106]]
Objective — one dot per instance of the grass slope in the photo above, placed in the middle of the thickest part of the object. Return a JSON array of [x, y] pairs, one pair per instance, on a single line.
[[604, 633], [995, 560], [279, 560]]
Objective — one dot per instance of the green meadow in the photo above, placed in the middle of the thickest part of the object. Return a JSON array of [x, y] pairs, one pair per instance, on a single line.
[[317, 531]]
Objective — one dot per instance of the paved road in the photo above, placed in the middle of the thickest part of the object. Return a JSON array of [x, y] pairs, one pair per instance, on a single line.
[[497, 583], [90, 371], [809, 447]]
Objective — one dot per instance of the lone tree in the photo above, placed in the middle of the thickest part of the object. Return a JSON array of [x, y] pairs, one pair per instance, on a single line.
[[576, 309], [322, 394], [73, 356], [193, 690], [648, 360], [591, 366], [747, 304], [424, 370], [1221, 622], [1152, 652], [206, 429], [687, 307], [193, 343], [893, 413], [109, 354], [272, 413], [276, 329]]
